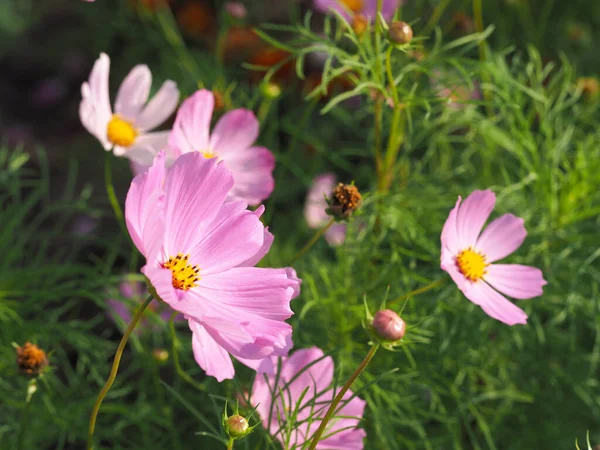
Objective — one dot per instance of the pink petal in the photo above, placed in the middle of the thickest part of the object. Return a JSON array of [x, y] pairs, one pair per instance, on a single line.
[[388, 9], [494, 304], [515, 280], [94, 109], [317, 377], [145, 147], [142, 202], [327, 6], [213, 359], [234, 132], [501, 237], [472, 215], [162, 281], [192, 125], [293, 276], [137, 169], [342, 438], [133, 92], [336, 234], [268, 239], [195, 188], [268, 365], [160, 107], [252, 169], [229, 241], [450, 239], [314, 209], [448, 264]]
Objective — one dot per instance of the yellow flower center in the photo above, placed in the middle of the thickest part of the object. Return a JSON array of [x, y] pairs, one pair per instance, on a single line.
[[120, 132], [353, 5], [208, 154], [471, 264], [185, 275]]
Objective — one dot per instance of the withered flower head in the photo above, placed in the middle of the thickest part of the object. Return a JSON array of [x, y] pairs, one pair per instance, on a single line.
[[31, 359], [589, 86], [344, 200], [359, 24], [400, 33]]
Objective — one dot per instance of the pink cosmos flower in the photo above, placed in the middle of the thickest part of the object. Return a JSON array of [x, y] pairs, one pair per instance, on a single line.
[[136, 292], [343, 432], [126, 130], [199, 250], [314, 209], [231, 140], [468, 254], [366, 8]]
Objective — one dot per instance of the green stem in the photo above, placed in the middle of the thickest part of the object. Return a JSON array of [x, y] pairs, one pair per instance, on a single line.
[[31, 388], [175, 350], [390, 75], [114, 369], [435, 17], [338, 398], [379, 100], [478, 16], [419, 290], [110, 190], [314, 239], [230, 444]]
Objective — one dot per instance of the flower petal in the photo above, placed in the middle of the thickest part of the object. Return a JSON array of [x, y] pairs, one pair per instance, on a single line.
[[133, 92], [336, 234], [267, 242], [252, 169], [145, 147], [314, 209], [192, 125], [472, 215], [450, 239], [235, 131], [388, 9], [209, 355], [142, 205], [195, 189], [317, 377], [327, 6], [501, 237], [515, 280], [494, 304], [94, 109], [160, 107]]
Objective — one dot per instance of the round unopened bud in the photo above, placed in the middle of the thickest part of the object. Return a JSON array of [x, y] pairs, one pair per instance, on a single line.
[[160, 355], [388, 325], [236, 10], [271, 90], [236, 426], [400, 33], [344, 200], [359, 24], [31, 359]]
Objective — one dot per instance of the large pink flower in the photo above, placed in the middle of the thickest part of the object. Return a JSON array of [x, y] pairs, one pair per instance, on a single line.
[[366, 8], [316, 379], [126, 131], [231, 140], [198, 250], [468, 254], [315, 209]]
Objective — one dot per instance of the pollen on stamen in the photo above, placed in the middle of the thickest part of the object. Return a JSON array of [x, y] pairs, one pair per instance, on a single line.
[[471, 264], [185, 275], [120, 132]]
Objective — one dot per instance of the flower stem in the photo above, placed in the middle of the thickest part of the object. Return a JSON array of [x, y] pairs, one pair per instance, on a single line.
[[314, 239], [338, 398], [379, 100], [175, 350], [230, 444], [419, 290], [110, 190], [114, 369], [31, 388]]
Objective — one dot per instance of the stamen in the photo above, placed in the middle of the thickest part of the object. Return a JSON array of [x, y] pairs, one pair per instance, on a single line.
[[120, 132], [471, 264], [185, 275]]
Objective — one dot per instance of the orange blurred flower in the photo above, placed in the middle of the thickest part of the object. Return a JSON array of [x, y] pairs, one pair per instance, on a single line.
[[196, 19]]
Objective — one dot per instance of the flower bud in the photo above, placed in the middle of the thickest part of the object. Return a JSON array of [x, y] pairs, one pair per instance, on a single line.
[[400, 33], [160, 355], [271, 90], [236, 10], [589, 87], [344, 200], [388, 326], [236, 426], [31, 359]]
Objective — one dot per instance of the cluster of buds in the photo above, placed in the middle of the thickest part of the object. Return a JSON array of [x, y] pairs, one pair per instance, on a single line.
[[344, 200]]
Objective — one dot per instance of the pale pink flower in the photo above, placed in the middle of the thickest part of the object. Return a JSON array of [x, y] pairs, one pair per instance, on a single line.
[[126, 131], [236, 10], [136, 293], [315, 209], [231, 140], [468, 254], [198, 249], [316, 379], [366, 8]]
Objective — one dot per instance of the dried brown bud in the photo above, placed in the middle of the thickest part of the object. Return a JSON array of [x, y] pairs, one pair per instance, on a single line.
[[400, 33], [219, 100], [359, 24], [388, 325], [344, 200], [463, 23], [236, 426], [31, 359], [589, 86]]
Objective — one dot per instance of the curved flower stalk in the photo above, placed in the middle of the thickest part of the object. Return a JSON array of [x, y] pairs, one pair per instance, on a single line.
[[468, 253], [316, 206], [351, 8], [199, 251], [126, 131], [231, 141], [302, 393]]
